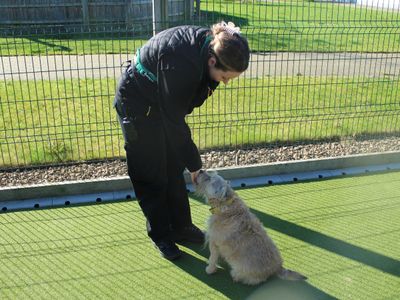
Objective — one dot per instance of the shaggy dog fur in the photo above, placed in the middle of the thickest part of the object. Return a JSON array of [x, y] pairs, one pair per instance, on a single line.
[[235, 234]]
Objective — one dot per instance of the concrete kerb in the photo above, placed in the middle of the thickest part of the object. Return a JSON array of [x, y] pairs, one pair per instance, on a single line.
[[119, 188]]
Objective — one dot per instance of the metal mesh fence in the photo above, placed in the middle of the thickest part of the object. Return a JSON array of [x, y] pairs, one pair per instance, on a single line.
[[319, 71]]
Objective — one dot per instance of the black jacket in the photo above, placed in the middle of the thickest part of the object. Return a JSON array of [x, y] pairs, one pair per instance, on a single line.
[[179, 60]]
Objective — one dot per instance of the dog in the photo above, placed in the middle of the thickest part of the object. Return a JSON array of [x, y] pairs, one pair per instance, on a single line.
[[235, 234]]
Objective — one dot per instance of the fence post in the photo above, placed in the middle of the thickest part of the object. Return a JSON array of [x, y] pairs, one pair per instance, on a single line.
[[198, 9], [188, 10], [85, 12], [128, 13], [160, 15]]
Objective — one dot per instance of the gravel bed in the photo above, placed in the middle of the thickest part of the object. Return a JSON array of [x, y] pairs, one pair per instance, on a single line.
[[212, 159]]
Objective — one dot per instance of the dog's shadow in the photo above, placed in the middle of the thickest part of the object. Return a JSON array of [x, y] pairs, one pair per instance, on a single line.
[[222, 282]]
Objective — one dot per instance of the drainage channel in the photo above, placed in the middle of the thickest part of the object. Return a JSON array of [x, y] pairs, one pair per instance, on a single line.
[[119, 188]]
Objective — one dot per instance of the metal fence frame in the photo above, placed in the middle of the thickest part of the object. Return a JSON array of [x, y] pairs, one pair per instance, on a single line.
[[310, 80]]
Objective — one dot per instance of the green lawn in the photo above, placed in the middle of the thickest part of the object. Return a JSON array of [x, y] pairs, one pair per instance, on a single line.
[[270, 26], [341, 233], [305, 26], [73, 119]]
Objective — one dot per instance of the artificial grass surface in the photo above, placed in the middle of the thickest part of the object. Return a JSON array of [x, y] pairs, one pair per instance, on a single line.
[[342, 233]]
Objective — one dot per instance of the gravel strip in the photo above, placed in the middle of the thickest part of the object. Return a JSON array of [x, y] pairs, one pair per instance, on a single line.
[[212, 159]]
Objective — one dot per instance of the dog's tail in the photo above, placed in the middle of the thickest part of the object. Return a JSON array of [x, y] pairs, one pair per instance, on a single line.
[[290, 275]]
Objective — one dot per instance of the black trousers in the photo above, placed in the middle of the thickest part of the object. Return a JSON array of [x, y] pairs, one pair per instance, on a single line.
[[154, 169]]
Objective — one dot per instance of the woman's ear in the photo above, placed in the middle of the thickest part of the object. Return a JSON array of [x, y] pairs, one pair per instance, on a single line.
[[212, 61]]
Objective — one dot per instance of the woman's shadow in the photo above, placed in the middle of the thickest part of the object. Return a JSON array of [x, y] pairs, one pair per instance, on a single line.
[[222, 282]]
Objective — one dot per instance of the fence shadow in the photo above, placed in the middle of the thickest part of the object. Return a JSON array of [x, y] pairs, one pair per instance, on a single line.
[[49, 44], [221, 281], [345, 249], [214, 16], [288, 290]]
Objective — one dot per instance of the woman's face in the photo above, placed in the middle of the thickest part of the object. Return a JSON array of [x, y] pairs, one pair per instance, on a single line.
[[218, 74]]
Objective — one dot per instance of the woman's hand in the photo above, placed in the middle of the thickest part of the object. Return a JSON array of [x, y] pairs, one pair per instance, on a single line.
[[194, 175]]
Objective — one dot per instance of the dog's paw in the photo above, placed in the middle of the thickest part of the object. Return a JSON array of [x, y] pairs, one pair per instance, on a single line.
[[211, 269]]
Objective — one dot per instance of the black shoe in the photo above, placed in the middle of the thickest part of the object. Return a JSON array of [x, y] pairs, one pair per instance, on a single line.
[[189, 234], [168, 249]]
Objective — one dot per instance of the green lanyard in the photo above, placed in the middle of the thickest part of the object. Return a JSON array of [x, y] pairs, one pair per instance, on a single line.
[[205, 48], [153, 78], [205, 45], [142, 69]]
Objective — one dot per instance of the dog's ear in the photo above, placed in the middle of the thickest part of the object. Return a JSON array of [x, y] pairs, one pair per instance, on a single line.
[[229, 193]]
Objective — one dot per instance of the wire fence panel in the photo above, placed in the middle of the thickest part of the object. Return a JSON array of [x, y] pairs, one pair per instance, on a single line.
[[319, 71]]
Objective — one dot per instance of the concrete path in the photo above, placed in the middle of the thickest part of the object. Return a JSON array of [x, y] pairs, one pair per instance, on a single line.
[[262, 64]]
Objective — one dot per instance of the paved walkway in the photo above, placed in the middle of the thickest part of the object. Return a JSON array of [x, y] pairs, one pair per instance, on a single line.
[[262, 64]]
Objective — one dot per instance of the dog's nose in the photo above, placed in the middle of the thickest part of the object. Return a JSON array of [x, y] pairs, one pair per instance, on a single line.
[[201, 172]]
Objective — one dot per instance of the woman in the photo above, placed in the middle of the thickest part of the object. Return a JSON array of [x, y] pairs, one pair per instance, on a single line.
[[175, 71]]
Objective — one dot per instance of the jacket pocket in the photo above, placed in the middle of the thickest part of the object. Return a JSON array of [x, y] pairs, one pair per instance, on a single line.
[[127, 123]]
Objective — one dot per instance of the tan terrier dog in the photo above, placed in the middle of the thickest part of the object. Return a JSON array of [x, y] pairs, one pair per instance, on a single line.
[[235, 234]]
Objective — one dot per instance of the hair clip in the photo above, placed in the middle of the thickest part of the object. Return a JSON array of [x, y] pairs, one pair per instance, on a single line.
[[230, 28]]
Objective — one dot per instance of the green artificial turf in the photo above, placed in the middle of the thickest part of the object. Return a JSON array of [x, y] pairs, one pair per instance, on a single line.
[[342, 233]]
